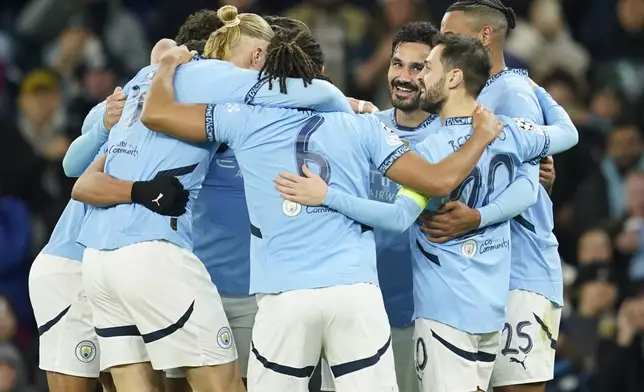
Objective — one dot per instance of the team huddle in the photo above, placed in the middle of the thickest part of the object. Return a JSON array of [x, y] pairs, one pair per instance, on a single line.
[[237, 219]]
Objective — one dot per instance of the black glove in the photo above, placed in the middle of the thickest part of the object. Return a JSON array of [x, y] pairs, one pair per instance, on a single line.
[[163, 195]]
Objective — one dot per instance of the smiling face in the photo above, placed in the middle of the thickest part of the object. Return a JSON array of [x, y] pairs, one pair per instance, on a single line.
[[406, 63], [431, 79]]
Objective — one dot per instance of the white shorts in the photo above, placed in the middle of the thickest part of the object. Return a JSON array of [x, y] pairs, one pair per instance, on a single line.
[[348, 323], [450, 360], [67, 341], [240, 312], [402, 342], [527, 352], [154, 302]]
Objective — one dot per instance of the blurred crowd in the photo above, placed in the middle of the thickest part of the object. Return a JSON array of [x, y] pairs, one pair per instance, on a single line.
[[58, 58]]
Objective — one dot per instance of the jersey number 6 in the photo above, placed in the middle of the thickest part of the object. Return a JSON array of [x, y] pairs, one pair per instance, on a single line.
[[302, 153]]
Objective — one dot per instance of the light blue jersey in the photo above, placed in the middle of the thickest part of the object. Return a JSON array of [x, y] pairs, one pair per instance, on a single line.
[[464, 282], [295, 247], [536, 265], [62, 242], [137, 154], [394, 254]]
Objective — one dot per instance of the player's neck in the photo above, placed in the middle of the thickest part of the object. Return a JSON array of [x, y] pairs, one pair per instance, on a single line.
[[410, 119], [458, 106], [498, 62]]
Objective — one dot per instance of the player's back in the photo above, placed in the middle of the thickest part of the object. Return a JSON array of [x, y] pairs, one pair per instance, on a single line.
[[293, 246], [137, 154], [470, 272], [535, 259]]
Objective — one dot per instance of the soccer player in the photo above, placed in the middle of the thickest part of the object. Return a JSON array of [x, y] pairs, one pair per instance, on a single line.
[[314, 271], [526, 360], [462, 335], [68, 345], [410, 48], [170, 343]]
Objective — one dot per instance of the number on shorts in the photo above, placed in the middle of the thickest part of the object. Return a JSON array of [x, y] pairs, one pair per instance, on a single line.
[[302, 153], [526, 348], [140, 98]]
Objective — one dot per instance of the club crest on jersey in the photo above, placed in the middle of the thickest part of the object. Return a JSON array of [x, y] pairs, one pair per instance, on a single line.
[[291, 208], [232, 107], [85, 351], [225, 338], [469, 248]]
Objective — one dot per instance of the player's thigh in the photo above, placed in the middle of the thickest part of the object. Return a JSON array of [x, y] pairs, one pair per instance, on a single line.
[[286, 342], [445, 358], [527, 349], [174, 304], [67, 341], [118, 337], [402, 342], [241, 312], [488, 347], [57, 382], [357, 338], [327, 384]]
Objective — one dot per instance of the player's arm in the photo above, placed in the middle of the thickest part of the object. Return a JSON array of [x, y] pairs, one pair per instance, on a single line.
[[215, 123], [162, 113], [320, 96], [96, 188], [313, 191], [95, 132], [562, 132], [99, 189], [521, 194], [440, 179]]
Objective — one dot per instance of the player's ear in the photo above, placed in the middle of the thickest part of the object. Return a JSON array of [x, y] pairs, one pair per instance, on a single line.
[[322, 70], [257, 57], [454, 78], [485, 35]]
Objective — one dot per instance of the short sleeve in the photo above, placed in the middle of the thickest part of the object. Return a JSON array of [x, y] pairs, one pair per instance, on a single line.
[[226, 123], [383, 145]]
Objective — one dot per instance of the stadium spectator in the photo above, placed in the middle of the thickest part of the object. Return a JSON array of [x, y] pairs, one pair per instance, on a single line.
[[13, 375], [624, 153], [341, 29], [545, 43]]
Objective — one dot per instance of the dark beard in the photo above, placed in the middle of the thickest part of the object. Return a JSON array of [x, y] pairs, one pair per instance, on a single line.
[[433, 102], [405, 106], [432, 107]]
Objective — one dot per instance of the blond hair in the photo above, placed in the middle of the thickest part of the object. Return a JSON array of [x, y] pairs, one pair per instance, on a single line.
[[221, 42]]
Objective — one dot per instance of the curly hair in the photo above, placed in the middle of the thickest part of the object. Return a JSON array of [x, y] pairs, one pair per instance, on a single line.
[[197, 28]]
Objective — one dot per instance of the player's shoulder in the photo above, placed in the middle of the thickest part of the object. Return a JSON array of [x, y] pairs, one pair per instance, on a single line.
[[145, 74], [386, 116]]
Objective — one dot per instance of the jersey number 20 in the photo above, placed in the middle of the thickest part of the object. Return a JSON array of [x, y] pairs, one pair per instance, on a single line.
[[302, 153], [476, 178]]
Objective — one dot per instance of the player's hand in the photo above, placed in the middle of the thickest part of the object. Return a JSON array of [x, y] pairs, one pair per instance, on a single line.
[[547, 172], [177, 55], [484, 121], [163, 195], [310, 190], [114, 105], [360, 106], [452, 220]]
